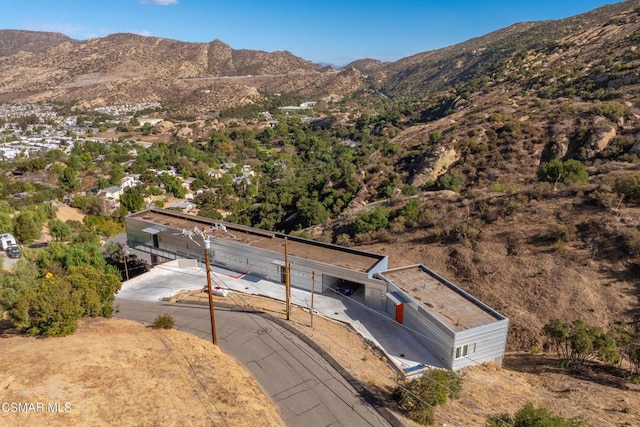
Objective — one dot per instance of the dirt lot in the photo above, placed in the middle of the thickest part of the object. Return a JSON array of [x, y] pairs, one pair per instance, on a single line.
[[118, 372], [66, 213]]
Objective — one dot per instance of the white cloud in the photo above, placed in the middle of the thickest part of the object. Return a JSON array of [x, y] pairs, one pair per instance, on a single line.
[[159, 2], [145, 33]]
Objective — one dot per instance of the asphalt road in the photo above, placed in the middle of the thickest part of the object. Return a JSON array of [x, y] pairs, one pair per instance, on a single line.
[[308, 390]]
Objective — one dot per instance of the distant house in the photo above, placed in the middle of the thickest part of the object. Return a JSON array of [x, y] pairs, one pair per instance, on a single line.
[[111, 193], [216, 173], [147, 120], [129, 181]]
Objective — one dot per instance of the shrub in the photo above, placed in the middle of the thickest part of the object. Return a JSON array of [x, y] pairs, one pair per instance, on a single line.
[[164, 321], [453, 181], [578, 343], [612, 110], [566, 172], [418, 397], [529, 415], [410, 190], [371, 221], [629, 186], [54, 307]]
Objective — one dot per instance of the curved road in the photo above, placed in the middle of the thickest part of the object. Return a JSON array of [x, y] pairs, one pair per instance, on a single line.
[[308, 390]]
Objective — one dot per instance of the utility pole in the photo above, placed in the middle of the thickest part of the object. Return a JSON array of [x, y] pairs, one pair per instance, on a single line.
[[126, 267], [207, 246], [287, 280], [313, 291]]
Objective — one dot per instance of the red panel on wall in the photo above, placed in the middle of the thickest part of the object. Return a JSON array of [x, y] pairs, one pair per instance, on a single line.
[[399, 312]]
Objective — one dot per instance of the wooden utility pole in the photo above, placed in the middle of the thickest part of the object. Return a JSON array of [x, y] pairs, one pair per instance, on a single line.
[[126, 267], [287, 279], [313, 291], [207, 246]]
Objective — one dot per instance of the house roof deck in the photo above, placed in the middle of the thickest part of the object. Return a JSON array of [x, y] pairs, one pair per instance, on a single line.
[[454, 307], [296, 247]]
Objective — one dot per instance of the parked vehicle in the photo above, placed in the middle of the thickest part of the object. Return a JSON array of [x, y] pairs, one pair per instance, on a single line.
[[346, 288], [7, 241], [13, 252]]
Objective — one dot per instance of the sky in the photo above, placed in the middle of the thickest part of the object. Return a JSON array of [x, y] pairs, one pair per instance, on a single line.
[[325, 31]]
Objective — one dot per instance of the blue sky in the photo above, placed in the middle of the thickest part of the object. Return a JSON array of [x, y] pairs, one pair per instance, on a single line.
[[330, 31]]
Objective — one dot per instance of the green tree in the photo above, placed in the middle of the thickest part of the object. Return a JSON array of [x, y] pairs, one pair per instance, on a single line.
[[59, 230], [54, 307], [25, 275], [25, 228], [629, 186], [453, 181], [411, 210], [578, 343], [311, 212], [567, 172], [69, 179], [132, 199], [371, 221], [50, 309], [6, 223], [117, 173]]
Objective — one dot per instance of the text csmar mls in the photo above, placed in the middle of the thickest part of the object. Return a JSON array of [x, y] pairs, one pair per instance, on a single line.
[[35, 407]]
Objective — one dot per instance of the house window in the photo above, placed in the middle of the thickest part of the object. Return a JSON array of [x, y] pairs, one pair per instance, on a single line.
[[283, 275], [462, 351]]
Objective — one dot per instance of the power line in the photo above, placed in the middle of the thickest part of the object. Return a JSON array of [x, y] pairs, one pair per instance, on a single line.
[[401, 386], [382, 315]]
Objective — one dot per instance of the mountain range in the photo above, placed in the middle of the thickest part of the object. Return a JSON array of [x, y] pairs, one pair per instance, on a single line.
[[119, 68], [489, 112]]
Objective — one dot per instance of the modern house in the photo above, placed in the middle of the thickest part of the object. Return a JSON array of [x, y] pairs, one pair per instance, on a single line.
[[458, 329]]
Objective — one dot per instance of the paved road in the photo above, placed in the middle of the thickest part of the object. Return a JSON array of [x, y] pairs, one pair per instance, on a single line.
[[308, 391]]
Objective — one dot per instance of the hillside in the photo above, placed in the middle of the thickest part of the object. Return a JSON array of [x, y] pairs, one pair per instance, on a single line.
[[463, 130], [118, 372], [123, 68], [500, 107]]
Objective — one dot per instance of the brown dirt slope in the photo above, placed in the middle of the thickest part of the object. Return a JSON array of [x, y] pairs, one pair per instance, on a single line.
[[118, 372]]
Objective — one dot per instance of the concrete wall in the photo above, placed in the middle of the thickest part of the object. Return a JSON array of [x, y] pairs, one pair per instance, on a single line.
[[243, 258], [485, 343], [426, 328]]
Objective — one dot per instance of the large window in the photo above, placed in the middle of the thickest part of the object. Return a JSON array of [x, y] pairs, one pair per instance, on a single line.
[[462, 351]]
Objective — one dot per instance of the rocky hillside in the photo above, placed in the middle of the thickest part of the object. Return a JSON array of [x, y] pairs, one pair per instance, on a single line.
[[123, 68], [497, 109]]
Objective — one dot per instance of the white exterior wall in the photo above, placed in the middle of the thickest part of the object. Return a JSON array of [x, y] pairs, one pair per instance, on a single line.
[[485, 343]]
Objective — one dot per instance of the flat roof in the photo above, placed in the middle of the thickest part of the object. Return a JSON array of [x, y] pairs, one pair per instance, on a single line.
[[296, 246], [453, 306]]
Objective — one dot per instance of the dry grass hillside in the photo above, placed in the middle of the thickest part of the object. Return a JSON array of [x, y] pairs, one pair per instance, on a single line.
[[118, 372]]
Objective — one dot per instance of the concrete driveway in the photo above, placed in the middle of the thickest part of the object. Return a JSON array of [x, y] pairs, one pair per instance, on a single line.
[[400, 346]]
